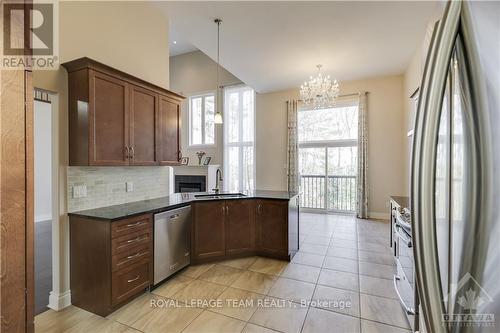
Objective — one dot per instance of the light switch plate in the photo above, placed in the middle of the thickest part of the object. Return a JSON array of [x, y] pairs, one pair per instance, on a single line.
[[129, 186]]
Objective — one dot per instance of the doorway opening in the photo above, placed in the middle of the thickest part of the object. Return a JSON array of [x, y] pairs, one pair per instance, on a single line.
[[45, 194]]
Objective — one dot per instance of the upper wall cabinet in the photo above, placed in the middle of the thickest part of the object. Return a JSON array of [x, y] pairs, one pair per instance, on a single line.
[[117, 119]]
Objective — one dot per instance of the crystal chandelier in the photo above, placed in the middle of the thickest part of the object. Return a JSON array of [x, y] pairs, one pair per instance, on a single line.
[[319, 92]]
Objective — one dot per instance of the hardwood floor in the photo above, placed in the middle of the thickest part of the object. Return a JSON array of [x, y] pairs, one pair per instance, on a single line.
[[334, 285], [43, 265]]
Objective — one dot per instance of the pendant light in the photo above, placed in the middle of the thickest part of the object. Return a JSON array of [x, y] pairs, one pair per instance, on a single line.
[[218, 114]]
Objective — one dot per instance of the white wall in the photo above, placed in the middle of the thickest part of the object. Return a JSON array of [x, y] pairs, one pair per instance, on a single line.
[[129, 36], [412, 80], [192, 73], [271, 139], [43, 160]]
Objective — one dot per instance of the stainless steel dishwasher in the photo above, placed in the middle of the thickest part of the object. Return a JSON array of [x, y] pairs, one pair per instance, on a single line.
[[172, 242]]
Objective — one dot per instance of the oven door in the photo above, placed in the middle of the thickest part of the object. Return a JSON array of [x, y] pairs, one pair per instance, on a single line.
[[404, 280]]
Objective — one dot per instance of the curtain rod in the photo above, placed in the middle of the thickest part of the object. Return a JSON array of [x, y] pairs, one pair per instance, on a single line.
[[345, 95], [232, 84]]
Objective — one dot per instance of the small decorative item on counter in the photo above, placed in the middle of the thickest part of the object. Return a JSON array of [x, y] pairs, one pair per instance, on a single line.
[[206, 160], [200, 155], [184, 160]]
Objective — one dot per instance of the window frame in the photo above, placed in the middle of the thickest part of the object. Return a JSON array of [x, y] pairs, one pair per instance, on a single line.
[[240, 143], [326, 144], [201, 95]]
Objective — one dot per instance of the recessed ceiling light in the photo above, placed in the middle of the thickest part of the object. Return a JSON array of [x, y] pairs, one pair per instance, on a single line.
[[175, 42]]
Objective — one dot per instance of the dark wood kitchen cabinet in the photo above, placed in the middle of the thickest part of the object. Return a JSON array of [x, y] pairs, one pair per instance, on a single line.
[[111, 262], [118, 119], [208, 234], [109, 120], [169, 151], [272, 227], [236, 228], [143, 126], [240, 226], [222, 228]]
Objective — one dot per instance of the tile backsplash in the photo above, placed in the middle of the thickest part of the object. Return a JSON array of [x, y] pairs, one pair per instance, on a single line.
[[106, 186]]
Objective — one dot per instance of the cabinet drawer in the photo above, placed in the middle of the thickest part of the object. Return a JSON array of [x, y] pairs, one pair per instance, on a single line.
[[127, 242], [130, 225], [128, 282], [131, 257]]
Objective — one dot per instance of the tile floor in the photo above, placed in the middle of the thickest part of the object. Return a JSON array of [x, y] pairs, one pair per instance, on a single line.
[[340, 281]]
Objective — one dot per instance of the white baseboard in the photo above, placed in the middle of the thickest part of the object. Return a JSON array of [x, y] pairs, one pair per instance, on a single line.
[[58, 302], [379, 215]]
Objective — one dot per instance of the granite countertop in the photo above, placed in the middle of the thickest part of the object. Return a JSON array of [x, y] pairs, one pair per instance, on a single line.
[[173, 201]]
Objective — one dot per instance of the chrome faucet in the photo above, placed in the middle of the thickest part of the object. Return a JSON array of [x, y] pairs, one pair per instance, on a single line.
[[218, 179]]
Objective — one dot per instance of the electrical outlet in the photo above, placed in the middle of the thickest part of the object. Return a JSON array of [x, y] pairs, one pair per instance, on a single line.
[[129, 186]]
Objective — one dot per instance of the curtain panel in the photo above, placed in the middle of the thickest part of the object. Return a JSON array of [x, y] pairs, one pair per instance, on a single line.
[[362, 195], [293, 147]]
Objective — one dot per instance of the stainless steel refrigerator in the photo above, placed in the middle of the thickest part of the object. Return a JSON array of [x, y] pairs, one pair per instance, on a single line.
[[455, 195]]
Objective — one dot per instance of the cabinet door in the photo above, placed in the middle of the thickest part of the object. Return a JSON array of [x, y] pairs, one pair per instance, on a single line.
[[109, 123], [143, 119], [169, 131], [272, 227], [208, 234], [240, 226]]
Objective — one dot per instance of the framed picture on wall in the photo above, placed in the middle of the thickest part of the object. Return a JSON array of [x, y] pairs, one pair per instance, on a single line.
[[206, 160], [184, 160]]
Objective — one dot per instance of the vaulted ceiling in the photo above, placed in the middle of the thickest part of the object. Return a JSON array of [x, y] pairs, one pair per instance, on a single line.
[[274, 46]]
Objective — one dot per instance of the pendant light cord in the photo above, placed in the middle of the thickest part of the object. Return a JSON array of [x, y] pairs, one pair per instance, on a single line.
[[218, 21]]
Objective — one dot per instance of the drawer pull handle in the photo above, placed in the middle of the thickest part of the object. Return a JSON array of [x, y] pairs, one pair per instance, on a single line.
[[138, 239], [138, 254], [134, 279], [134, 224], [175, 216]]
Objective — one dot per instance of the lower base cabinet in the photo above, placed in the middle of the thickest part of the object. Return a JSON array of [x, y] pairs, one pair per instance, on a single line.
[[208, 233], [272, 227], [236, 228], [111, 262]]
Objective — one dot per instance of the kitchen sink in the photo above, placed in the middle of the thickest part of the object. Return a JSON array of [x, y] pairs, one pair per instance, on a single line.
[[220, 195]]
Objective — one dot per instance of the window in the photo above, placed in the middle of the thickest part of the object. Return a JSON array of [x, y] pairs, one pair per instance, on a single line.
[[201, 119], [239, 142], [328, 156]]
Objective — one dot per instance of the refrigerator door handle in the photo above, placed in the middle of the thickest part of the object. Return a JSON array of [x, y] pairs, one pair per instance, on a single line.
[[424, 167]]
